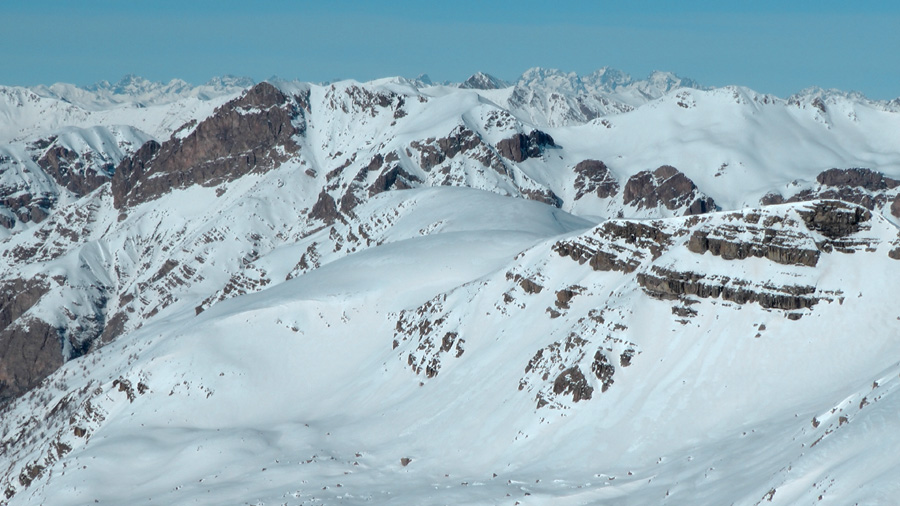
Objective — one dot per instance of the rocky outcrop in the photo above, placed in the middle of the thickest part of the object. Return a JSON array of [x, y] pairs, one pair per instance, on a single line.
[[671, 284], [572, 382], [618, 245], [356, 99], [71, 171], [866, 179], [28, 351], [461, 140], [593, 176], [521, 147], [325, 208], [701, 242], [860, 186], [132, 170], [667, 187], [393, 178], [24, 207], [835, 219], [252, 133], [745, 235]]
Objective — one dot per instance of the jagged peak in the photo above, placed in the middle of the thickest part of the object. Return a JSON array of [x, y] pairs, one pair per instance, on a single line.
[[483, 81]]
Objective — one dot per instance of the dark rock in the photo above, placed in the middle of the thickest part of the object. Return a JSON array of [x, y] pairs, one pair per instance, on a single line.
[[594, 176], [324, 209], [394, 178], [771, 198], [530, 286], [563, 297], [603, 370], [670, 284], [545, 196], [771, 245], [433, 152], [520, 147], [895, 206], [72, 172], [835, 219], [668, 187], [603, 254], [858, 177], [572, 381], [251, 133], [29, 352]]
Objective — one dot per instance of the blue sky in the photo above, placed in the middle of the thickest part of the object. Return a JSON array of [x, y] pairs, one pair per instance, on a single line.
[[766, 45]]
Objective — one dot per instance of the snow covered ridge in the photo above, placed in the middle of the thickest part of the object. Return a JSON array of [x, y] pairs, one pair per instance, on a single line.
[[656, 284]]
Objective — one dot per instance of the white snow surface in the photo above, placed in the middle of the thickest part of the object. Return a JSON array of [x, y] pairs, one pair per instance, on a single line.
[[250, 379]]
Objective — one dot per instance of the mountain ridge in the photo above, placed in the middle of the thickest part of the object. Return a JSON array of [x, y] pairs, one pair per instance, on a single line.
[[369, 290]]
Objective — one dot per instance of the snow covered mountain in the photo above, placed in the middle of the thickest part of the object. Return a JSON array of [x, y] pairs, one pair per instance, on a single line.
[[571, 290]]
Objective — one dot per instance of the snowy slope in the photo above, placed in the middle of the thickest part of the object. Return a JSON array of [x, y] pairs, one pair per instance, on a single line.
[[296, 393], [398, 292]]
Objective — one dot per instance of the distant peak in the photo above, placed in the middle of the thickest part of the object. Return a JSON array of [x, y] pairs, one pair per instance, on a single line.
[[230, 81], [483, 81]]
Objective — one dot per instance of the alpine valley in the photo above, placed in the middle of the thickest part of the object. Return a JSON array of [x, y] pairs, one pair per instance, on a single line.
[[563, 290]]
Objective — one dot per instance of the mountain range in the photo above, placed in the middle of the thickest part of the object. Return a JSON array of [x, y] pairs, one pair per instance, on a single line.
[[563, 290]]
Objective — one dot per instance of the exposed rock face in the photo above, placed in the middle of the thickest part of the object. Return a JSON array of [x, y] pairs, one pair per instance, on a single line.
[[426, 335], [753, 236], [858, 178], [28, 351], [604, 370], [325, 208], [461, 140], [860, 186], [25, 207], [667, 187], [393, 178], [131, 170], [361, 99], [835, 219], [253, 132], [593, 176], [520, 147], [670, 284], [73, 173], [603, 249], [572, 381], [433, 151], [700, 242]]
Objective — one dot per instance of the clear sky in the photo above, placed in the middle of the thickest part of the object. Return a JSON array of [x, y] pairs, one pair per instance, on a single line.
[[772, 46]]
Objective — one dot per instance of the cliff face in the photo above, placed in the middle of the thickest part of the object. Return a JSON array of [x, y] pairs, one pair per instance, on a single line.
[[255, 132]]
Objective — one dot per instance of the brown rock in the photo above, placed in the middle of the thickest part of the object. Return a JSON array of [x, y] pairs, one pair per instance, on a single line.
[[858, 177], [670, 284], [593, 176], [29, 352], [668, 187], [520, 147], [835, 219], [72, 172], [324, 209], [572, 381], [251, 133]]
